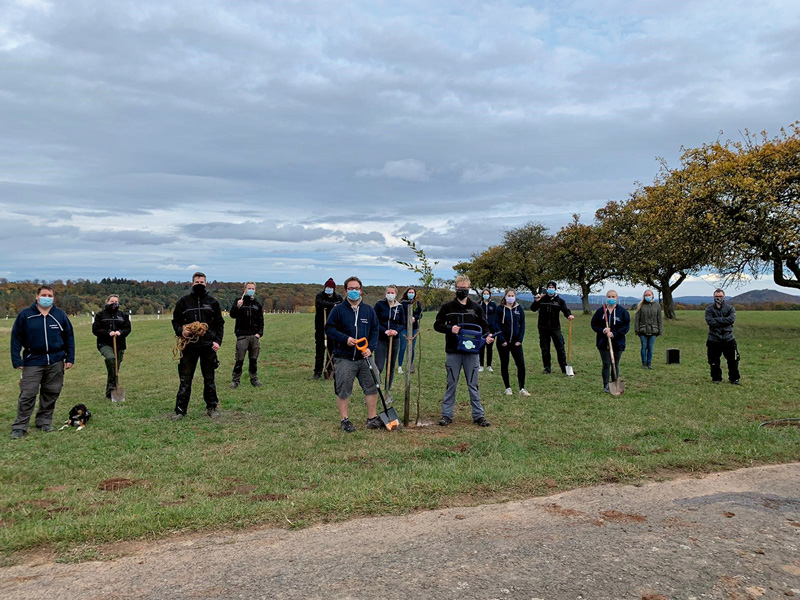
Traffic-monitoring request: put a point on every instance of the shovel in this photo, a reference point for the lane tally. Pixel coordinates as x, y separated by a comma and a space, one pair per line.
117, 394
389, 416
616, 386
569, 369
389, 369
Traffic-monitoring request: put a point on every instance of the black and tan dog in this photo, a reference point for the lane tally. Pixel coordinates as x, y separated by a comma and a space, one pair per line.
79, 416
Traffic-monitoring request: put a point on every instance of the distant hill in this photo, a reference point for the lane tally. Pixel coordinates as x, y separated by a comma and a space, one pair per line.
763, 296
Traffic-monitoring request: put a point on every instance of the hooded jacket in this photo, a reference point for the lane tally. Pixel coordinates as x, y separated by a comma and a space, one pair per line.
618, 320
390, 317
489, 311
648, 319
323, 303
549, 308
249, 317
203, 308
107, 321
509, 324
348, 321
42, 339
454, 313
720, 322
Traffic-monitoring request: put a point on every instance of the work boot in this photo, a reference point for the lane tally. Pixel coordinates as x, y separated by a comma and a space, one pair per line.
234, 384
445, 421
213, 412
255, 382
45, 428
546, 371
177, 417
481, 422
606, 389
17, 434
347, 426
315, 376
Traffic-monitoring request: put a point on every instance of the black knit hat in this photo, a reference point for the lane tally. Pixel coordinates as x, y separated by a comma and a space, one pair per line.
552, 284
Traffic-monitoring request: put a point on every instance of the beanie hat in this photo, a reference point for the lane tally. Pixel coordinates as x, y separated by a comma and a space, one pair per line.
330, 283
552, 284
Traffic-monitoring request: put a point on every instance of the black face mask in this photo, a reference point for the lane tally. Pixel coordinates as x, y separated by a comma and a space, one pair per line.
461, 294
112, 306
199, 289
719, 301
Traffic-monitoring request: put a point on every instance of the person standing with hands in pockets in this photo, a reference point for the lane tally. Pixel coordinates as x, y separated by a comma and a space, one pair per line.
648, 326
510, 325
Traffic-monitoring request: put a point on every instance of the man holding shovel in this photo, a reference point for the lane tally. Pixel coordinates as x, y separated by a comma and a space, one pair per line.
111, 327
249, 328
347, 323
323, 305
611, 322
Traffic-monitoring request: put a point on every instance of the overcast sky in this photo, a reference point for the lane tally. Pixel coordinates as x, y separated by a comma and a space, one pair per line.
298, 140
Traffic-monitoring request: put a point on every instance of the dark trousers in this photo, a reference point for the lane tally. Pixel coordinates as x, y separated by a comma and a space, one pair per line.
728, 349
246, 344
111, 378
321, 360
382, 358
519, 359
186, 369
606, 357
545, 336
47, 383
486, 350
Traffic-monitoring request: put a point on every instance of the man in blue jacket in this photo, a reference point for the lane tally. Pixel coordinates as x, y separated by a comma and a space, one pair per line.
348, 322
43, 333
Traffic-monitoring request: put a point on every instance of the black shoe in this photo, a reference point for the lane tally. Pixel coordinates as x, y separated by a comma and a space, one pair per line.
347, 426
606, 389
482, 422
445, 421
213, 413
546, 371
374, 423
177, 417
17, 434
649, 367
234, 385
737, 382
315, 376
45, 428
716, 381
256, 383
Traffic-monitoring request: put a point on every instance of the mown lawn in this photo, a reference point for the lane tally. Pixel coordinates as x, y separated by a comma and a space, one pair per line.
278, 457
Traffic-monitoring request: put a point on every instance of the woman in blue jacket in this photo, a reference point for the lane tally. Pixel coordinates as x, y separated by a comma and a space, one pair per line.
489, 309
610, 322
391, 324
510, 327
409, 297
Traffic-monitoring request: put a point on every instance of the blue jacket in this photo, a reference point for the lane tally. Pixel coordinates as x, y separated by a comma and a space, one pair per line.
43, 340
489, 311
509, 323
416, 312
344, 322
390, 318
620, 322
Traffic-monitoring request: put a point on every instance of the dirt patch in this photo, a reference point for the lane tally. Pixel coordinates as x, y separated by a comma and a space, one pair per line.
780, 423
730, 515
793, 523
6, 522
41, 503
550, 483
620, 517
56, 488
654, 597
234, 491
555, 509
116, 484
659, 451
268, 497
627, 449
462, 447
59, 509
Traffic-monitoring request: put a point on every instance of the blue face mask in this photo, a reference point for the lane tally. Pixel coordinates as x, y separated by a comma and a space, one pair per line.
648, 298
551, 292
486, 296
353, 294
45, 301
411, 295
251, 293
611, 301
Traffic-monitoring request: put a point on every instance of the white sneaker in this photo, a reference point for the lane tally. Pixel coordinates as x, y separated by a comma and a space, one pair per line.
490, 369
480, 369
400, 370
524, 392
509, 392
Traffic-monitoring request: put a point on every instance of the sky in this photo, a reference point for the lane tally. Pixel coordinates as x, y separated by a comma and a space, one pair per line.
292, 141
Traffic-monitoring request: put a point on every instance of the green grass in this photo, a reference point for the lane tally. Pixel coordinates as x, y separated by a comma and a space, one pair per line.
277, 456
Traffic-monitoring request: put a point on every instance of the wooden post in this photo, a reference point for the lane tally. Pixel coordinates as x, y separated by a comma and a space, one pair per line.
409, 347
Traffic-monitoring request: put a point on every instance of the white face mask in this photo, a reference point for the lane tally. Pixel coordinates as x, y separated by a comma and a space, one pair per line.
329, 291
511, 299
391, 297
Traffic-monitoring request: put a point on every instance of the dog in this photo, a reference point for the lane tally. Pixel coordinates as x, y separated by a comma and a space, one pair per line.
79, 416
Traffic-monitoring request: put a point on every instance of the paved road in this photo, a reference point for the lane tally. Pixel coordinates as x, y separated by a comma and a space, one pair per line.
732, 535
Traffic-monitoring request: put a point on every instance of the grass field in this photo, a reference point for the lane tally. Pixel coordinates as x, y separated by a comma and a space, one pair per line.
277, 455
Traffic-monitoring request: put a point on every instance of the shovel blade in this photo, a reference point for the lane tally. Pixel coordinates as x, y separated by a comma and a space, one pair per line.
570, 371
389, 418
118, 395
617, 387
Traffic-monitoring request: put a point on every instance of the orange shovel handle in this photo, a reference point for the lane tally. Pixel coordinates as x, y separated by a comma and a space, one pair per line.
362, 344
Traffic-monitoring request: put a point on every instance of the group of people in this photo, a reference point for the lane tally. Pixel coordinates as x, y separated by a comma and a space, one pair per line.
349, 333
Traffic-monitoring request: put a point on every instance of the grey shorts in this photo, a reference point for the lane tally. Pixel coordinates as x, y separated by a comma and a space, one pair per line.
346, 372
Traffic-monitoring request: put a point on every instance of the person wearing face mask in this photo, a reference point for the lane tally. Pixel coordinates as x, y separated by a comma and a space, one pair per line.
391, 324
720, 317
409, 297
348, 322
610, 322
111, 322
248, 329
510, 328
451, 316
42, 347
550, 306
489, 309
648, 326
198, 307
323, 305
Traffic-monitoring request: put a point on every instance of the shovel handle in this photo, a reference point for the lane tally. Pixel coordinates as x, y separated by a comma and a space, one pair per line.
362, 344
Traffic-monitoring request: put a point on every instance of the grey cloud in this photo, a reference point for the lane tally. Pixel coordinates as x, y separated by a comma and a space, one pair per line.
127, 237
256, 230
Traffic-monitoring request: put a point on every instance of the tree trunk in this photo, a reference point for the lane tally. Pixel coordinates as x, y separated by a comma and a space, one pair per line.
585, 291
666, 300
778, 276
